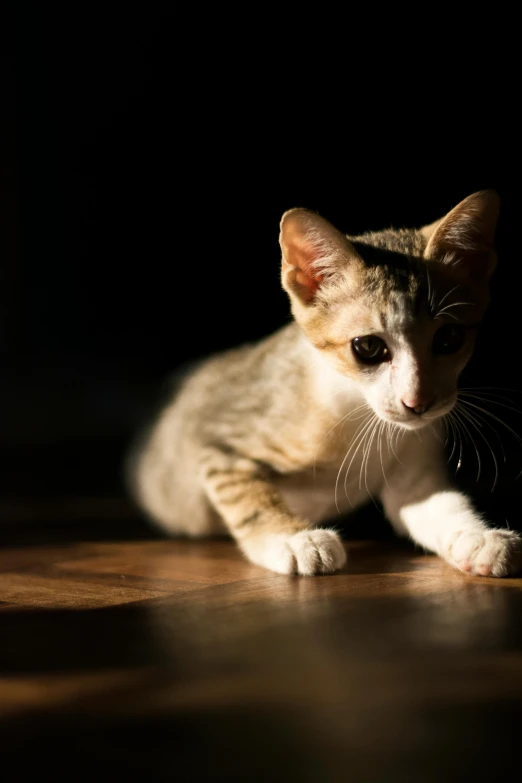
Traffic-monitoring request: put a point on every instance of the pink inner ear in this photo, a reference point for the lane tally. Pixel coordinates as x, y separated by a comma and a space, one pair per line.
304, 279
304, 274
303, 285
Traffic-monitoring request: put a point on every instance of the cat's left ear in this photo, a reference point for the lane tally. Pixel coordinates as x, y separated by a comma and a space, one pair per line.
314, 252
464, 238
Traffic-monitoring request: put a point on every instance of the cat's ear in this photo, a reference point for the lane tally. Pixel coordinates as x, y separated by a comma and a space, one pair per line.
313, 251
464, 238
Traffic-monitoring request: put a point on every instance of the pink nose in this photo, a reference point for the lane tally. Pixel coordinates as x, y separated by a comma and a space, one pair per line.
417, 406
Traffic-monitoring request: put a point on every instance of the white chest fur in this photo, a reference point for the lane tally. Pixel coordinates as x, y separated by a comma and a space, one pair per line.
358, 474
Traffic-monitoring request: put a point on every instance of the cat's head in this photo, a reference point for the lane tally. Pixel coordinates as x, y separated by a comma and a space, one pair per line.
397, 311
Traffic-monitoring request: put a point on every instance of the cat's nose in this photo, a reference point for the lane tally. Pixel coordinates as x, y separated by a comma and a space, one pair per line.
418, 406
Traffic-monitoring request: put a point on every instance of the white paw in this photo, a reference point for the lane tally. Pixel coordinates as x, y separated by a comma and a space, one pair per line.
308, 552
486, 552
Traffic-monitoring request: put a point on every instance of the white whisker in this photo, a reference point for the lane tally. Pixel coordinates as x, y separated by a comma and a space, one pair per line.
362, 441
472, 395
395, 433
431, 292
347, 417
383, 429
500, 421
460, 415
458, 431
456, 304
450, 315
360, 430
446, 295
453, 434
366, 458
476, 423
496, 418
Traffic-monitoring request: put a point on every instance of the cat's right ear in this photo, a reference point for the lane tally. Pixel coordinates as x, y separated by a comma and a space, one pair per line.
464, 238
313, 251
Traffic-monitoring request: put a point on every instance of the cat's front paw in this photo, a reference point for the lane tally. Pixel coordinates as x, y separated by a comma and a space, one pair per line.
307, 552
486, 552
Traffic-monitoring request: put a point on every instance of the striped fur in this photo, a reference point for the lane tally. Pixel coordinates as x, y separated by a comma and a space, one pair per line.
266, 441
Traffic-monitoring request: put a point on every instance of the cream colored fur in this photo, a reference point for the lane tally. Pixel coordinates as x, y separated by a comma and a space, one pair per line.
269, 440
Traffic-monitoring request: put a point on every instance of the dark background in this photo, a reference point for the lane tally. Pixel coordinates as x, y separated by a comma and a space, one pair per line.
146, 161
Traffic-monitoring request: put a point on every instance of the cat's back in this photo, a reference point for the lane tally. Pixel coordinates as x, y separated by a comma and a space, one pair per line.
219, 398
203, 397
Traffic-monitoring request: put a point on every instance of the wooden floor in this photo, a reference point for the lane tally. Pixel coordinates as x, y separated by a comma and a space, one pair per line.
156, 659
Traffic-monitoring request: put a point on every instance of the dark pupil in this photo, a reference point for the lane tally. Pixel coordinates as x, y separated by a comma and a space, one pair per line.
449, 338
370, 349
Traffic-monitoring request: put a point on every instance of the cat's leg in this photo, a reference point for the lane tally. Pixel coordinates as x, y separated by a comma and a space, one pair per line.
256, 515
420, 502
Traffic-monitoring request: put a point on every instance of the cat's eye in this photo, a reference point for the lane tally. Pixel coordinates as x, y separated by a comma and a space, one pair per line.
370, 349
449, 338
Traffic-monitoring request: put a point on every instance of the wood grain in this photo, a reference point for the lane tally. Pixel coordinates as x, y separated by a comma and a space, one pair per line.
161, 659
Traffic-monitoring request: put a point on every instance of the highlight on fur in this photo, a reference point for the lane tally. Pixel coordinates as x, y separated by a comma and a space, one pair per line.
347, 404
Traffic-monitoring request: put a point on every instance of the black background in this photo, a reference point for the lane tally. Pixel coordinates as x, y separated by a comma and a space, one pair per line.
147, 158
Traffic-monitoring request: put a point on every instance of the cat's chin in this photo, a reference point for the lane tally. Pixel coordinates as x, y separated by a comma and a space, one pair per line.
417, 423
411, 422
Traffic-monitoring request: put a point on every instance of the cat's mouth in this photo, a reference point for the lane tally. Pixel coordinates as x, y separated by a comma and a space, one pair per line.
416, 421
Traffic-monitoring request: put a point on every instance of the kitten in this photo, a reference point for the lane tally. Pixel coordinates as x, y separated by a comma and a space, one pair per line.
346, 402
